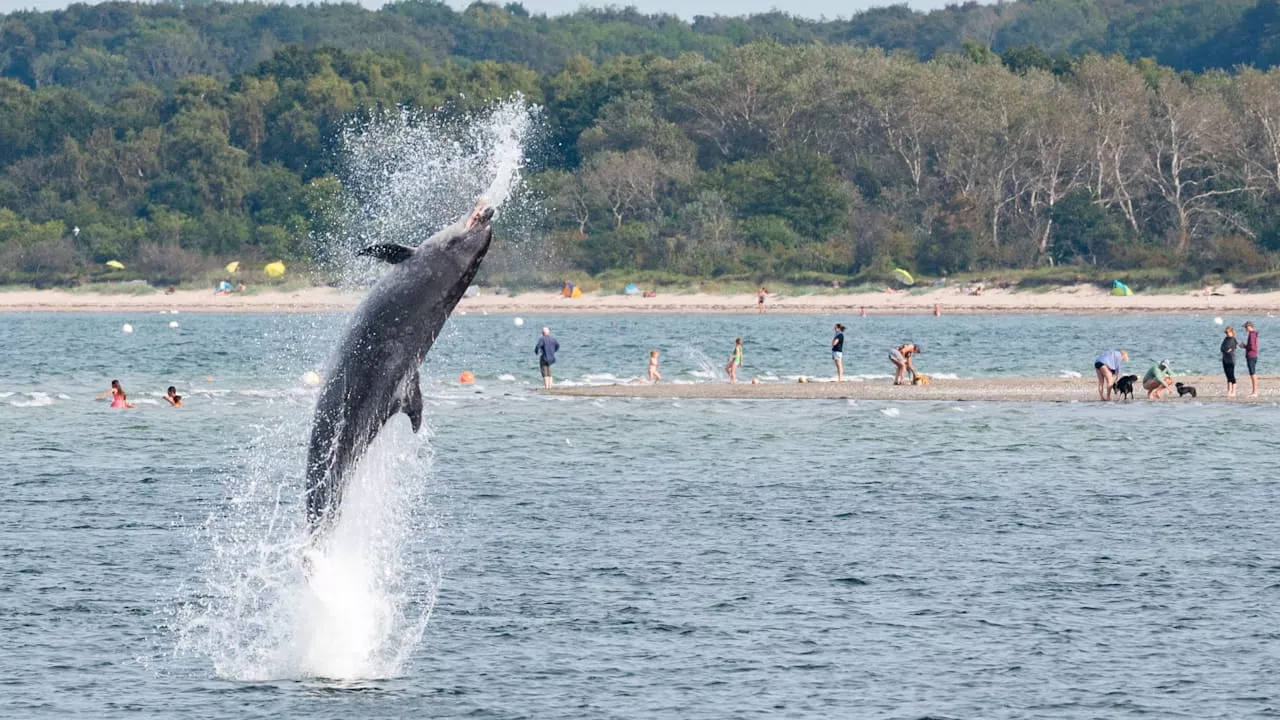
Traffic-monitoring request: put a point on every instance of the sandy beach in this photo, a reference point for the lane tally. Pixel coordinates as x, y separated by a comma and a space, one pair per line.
1083, 299
1029, 389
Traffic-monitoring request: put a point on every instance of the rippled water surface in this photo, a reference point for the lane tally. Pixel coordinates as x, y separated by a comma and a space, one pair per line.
629, 558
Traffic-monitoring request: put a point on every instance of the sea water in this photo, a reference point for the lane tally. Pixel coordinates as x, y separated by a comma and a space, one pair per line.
568, 558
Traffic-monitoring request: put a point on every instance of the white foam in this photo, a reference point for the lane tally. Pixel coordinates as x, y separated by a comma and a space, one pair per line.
1069, 374
891, 412
34, 399
507, 377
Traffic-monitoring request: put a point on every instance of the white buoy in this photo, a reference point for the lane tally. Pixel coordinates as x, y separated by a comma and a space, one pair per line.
519, 322
311, 377
173, 324
127, 328
1217, 321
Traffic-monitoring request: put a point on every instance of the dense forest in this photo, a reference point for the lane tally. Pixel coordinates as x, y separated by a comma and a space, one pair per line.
1115, 134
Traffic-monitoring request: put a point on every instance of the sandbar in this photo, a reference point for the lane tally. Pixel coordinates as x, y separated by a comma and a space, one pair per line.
1026, 389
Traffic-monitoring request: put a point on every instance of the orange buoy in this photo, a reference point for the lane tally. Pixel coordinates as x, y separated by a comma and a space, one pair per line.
467, 377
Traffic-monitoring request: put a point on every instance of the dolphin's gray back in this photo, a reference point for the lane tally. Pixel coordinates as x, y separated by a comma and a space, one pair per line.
373, 374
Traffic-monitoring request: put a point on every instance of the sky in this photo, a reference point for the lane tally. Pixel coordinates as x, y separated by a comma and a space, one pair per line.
686, 9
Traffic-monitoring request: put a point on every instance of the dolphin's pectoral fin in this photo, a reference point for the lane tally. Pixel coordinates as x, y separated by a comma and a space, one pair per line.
411, 403
390, 252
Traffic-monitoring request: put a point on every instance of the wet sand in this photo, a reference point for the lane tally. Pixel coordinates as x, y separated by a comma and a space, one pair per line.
1057, 390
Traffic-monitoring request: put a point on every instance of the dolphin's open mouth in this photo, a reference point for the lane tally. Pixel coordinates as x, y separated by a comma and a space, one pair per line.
480, 216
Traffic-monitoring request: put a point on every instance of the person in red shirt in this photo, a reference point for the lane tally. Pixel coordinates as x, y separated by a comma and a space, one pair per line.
1251, 357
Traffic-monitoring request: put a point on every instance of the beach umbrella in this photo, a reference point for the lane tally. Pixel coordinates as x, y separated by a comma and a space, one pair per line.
233, 266
904, 276
115, 264
275, 269
1119, 289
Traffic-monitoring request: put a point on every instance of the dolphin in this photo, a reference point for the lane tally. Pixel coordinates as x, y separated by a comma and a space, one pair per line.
373, 373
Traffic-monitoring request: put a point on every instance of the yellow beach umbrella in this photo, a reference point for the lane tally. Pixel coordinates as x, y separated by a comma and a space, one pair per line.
116, 264
904, 276
233, 266
275, 269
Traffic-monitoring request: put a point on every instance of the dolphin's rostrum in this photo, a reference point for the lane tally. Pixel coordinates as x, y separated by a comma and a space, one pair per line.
373, 374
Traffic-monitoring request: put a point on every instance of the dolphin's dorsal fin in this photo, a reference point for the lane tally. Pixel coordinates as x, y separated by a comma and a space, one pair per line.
390, 252
411, 403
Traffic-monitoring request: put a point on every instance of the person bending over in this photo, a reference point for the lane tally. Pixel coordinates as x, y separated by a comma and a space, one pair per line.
1158, 380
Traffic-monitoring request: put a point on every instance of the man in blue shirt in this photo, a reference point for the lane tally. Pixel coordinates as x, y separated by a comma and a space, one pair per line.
1107, 366
546, 352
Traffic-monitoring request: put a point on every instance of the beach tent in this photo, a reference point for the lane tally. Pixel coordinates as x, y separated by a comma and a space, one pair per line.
275, 269
115, 264
631, 289
577, 292
233, 266
903, 276
1120, 289
568, 289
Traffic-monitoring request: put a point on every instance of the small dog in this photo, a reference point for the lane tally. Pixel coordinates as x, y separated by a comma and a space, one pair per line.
920, 379
1124, 386
1185, 389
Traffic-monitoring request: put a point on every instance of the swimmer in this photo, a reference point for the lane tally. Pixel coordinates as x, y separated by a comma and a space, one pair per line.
172, 397
112, 391
654, 375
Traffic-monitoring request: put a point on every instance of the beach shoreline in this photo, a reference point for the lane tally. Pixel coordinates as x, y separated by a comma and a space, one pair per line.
1072, 300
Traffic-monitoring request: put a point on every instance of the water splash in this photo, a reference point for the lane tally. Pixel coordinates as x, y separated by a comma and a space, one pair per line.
356, 605
408, 174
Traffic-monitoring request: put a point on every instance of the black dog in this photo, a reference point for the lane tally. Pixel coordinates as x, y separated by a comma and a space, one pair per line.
1124, 386
1185, 389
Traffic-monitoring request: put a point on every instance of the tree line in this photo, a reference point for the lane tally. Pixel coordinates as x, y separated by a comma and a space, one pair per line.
790, 157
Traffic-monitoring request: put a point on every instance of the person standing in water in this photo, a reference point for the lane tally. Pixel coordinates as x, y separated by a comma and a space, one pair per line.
1251, 357
172, 397
1107, 365
112, 391
546, 351
1228, 350
654, 375
837, 352
119, 400
735, 361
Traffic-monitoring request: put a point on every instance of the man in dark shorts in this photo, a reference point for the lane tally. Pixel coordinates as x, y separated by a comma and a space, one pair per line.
546, 352
1251, 358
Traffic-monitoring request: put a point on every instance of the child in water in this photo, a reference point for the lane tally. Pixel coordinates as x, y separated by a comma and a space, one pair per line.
172, 397
119, 400
654, 375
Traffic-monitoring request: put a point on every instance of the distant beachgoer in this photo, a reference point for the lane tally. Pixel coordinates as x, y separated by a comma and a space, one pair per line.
170, 290
760, 295
240, 288
1158, 380
837, 352
937, 310
172, 397
902, 361
1251, 358
654, 375
735, 361
1228, 350
546, 351
1107, 365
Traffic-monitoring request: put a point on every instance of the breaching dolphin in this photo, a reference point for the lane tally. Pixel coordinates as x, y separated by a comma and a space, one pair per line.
373, 374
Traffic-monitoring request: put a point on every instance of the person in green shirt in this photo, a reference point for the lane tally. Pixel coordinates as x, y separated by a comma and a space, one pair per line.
1158, 380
